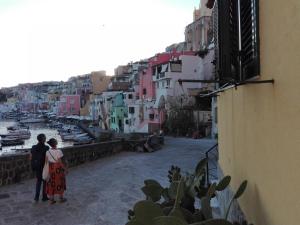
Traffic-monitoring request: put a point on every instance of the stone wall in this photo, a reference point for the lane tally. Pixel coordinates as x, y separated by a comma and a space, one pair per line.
15, 168
77, 155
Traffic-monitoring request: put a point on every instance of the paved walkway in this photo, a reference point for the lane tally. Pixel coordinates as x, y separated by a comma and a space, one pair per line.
101, 192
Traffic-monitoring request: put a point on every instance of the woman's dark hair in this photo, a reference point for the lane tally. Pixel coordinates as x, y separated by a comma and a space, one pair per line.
52, 142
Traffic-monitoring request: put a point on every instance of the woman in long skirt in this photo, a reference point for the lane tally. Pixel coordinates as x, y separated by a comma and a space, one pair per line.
56, 185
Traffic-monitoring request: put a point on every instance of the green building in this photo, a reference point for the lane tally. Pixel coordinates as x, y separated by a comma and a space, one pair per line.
118, 112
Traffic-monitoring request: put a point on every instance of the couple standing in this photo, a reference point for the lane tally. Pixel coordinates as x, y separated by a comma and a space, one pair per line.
42, 156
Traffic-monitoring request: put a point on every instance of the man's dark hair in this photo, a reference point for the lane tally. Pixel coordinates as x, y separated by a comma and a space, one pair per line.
41, 137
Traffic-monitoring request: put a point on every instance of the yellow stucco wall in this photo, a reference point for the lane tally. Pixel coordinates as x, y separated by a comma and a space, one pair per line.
99, 81
259, 125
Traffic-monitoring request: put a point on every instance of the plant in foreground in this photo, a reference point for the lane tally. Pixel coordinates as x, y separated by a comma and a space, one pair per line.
175, 204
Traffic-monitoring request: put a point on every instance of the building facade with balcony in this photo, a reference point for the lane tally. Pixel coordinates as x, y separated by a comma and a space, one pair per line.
149, 121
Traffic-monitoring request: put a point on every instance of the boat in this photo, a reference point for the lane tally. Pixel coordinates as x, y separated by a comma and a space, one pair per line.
17, 134
72, 136
11, 142
13, 128
83, 142
69, 133
33, 120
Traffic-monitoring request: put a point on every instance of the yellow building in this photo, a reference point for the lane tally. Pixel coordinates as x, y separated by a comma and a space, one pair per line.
259, 124
99, 81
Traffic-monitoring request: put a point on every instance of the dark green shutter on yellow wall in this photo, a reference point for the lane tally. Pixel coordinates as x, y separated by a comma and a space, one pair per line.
234, 62
250, 38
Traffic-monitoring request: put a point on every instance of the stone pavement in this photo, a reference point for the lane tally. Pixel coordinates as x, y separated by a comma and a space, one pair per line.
100, 192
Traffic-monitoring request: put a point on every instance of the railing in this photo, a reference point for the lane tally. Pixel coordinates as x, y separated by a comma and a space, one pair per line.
212, 156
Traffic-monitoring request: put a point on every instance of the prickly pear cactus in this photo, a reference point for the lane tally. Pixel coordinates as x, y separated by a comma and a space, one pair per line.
175, 205
153, 190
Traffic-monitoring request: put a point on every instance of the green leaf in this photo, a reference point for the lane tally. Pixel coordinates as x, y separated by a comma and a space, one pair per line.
146, 211
223, 183
180, 193
167, 210
134, 222
168, 220
206, 208
238, 194
211, 190
176, 176
241, 190
151, 182
153, 191
172, 191
176, 212
200, 167
213, 222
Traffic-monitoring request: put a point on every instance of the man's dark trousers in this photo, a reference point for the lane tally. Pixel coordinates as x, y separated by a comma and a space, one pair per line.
39, 182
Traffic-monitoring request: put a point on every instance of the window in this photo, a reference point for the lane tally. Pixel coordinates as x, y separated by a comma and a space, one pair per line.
153, 71
168, 83
157, 84
176, 66
151, 116
129, 96
144, 91
159, 68
236, 39
131, 110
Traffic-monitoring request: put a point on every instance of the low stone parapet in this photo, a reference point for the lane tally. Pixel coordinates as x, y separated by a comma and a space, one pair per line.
15, 168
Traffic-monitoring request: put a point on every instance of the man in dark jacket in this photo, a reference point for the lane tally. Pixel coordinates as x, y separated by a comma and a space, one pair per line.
38, 153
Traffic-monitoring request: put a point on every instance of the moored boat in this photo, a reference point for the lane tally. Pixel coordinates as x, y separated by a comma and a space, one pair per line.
11, 142
33, 120
17, 134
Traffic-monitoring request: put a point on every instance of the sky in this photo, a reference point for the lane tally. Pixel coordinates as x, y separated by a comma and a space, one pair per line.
52, 40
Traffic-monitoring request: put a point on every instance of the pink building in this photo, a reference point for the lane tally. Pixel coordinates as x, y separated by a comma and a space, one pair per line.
149, 118
147, 84
69, 105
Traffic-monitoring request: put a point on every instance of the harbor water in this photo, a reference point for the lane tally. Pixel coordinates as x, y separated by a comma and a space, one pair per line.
35, 129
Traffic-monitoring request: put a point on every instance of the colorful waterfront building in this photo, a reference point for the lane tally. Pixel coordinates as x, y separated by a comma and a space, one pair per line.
102, 107
118, 113
69, 105
149, 119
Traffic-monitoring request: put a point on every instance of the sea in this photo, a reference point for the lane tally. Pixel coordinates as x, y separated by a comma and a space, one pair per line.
35, 129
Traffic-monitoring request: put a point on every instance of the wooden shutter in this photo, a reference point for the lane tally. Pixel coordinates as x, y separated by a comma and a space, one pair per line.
215, 24
226, 38
249, 38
